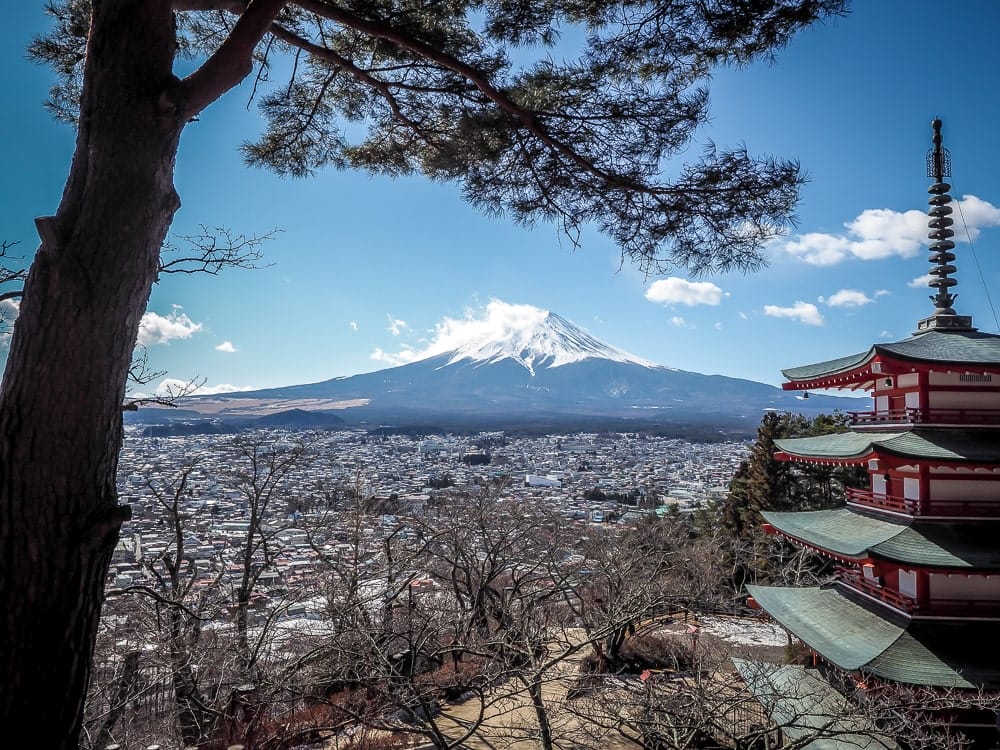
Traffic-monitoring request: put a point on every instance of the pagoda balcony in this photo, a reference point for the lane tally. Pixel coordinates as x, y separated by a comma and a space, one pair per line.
914, 415
893, 503
853, 579
911, 507
908, 605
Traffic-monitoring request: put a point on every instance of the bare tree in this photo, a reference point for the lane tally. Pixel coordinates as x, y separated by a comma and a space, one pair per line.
202, 625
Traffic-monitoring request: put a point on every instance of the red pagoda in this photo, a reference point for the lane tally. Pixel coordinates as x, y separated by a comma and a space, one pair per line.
917, 598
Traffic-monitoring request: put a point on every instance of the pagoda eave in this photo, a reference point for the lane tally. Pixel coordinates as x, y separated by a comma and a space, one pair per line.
822, 460
939, 447
850, 536
881, 364
854, 635
881, 460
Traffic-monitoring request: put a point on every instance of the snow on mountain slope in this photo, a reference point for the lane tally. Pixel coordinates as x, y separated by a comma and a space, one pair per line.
528, 335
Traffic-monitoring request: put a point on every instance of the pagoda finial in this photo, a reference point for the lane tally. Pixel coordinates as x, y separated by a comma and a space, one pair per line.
941, 255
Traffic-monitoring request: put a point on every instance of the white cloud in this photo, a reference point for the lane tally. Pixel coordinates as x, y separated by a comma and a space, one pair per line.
159, 329
717, 326
676, 291
920, 281
881, 293
226, 346
679, 322
396, 327
743, 315
847, 298
354, 325
976, 214
878, 233
499, 321
9, 309
804, 312
818, 249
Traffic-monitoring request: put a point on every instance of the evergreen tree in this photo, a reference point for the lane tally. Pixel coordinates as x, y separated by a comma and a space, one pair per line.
763, 483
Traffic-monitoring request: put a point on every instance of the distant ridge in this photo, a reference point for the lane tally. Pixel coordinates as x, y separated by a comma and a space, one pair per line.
543, 370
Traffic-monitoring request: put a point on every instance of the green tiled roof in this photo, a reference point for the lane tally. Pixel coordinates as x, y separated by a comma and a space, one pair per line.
968, 347
853, 637
805, 706
937, 545
941, 444
839, 530
843, 632
841, 364
851, 534
964, 347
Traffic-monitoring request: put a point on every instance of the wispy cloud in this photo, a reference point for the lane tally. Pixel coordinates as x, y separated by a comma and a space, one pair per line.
878, 233
396, 326
401, 357
804, 312
499, 321
354, 325
160, 329
226, 346
679, 322
920, 281
677, 291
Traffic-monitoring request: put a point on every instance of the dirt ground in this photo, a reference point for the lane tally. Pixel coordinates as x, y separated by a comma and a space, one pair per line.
509, 722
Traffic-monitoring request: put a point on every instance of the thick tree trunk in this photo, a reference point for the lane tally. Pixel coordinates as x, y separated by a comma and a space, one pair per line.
60, 401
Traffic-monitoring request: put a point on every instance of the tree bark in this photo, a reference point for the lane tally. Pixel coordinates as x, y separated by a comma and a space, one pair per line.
545, 741
62, 392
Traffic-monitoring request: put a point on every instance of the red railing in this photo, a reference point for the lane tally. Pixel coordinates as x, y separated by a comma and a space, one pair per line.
885, 502
914, 415
909, 605
890, 596
911, 507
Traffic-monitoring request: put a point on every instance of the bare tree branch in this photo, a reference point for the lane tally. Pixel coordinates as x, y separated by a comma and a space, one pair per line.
212, 250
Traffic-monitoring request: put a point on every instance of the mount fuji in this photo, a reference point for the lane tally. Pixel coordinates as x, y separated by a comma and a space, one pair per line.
538, 368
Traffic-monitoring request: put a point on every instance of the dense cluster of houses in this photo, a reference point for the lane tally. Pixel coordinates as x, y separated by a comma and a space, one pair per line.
590, 478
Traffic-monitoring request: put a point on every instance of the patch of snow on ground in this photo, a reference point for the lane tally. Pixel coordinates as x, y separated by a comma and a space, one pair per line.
744, 630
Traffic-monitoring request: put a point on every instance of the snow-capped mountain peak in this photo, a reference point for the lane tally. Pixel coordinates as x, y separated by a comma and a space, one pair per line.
534, 338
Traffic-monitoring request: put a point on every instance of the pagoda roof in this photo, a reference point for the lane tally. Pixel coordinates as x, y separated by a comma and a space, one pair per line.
807, 708
943, 347
854, 634
950, 445
848, 533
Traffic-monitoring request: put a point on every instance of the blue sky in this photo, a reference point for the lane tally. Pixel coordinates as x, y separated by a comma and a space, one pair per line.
365, 272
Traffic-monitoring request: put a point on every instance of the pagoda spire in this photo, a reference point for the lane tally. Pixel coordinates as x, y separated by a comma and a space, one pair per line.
941, 255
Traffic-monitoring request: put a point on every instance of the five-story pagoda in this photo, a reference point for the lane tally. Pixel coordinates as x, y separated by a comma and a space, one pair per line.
917, 599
